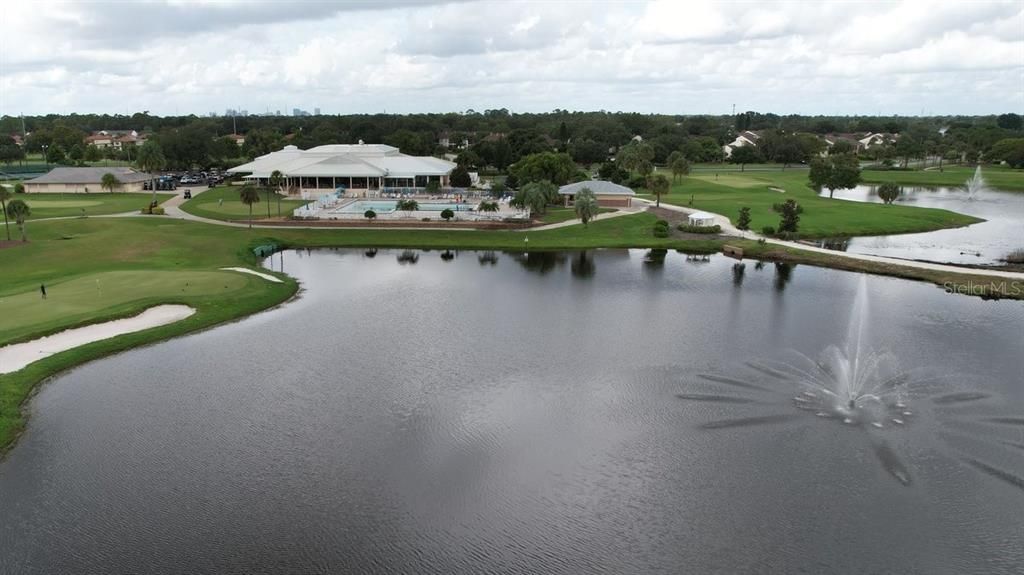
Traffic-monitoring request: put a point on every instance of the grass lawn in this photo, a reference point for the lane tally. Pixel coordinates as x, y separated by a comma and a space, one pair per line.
822, 217
62, 205
82, 298
208, 205
1000, 177
555, 215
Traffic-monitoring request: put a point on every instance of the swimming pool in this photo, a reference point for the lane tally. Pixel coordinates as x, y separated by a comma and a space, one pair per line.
388, 206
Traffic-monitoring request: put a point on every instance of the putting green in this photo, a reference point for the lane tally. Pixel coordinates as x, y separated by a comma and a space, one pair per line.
62, 203
732, 180
106, 294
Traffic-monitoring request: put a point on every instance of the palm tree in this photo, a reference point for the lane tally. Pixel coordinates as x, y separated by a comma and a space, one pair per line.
679, 165
5, 195
109, 182
586, 205
18, 210
277, 181
658, 184
249, 196
151, 159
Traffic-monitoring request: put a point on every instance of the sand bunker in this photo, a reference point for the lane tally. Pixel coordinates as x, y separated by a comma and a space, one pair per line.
16, 356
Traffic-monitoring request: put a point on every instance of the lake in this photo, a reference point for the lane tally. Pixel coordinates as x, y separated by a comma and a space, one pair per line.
611, 411
988, 242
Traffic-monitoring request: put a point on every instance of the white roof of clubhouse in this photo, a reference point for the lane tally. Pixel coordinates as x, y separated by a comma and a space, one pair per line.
599, 187
344, 161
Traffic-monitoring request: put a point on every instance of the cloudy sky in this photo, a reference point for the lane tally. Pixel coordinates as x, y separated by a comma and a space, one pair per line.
418, 56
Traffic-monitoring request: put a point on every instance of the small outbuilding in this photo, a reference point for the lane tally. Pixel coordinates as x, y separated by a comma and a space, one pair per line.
608, 194
700, 219
85, 180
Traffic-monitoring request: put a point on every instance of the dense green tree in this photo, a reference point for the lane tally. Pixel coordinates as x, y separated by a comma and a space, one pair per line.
460, 177
842, 147
1009, 150
92, 153
18, 211
744, 155
789, 216
249, 196
55, 154
260, 142
5, 194
679, 165
1010, 121
658, 185
447, 214
588, 151
636, 157
10, 151
888, 192
109, 182
613, 173
151, 159
536, 196
586, 205
557, 168
743, 221
837, 171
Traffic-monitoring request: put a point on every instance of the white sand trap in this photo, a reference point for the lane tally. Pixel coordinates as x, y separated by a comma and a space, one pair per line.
267, 277
16, 356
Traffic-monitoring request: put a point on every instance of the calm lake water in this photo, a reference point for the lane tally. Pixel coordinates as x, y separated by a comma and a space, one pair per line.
474, 412
987, 242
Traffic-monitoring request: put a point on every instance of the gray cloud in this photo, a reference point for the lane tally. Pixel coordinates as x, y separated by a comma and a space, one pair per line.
364, 56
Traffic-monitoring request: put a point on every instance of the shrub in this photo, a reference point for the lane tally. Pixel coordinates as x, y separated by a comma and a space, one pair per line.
447, 214
369, 214
661, 231
888, 192
768, 231
699, 229
152, 210
424, 219
637, 182
661, 223
19, 188
1015, 257
789, 236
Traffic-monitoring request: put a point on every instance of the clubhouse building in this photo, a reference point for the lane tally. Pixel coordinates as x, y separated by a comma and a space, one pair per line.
363, 170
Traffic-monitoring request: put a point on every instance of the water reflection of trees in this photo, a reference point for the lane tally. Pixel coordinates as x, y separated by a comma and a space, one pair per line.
487, 258
783, 275
408, 257
447, 255
370, 253
655, 259
540, 262
583, 265
738, 269
837, 244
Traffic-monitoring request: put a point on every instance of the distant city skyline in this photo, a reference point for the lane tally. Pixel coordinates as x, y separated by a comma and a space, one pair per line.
881, 58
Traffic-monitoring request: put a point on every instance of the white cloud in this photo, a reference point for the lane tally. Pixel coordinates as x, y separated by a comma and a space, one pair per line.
664, 56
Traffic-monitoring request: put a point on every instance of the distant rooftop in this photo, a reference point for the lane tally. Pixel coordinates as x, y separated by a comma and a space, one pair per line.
88, 176
599, 187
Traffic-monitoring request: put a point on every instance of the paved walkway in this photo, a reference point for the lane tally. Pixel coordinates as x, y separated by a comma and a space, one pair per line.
730, 230
577, 221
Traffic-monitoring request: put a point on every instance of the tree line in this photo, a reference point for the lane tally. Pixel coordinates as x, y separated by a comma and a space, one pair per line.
499, 138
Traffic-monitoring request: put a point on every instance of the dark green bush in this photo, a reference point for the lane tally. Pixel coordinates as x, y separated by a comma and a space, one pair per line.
699, 229
660, 232
768, 231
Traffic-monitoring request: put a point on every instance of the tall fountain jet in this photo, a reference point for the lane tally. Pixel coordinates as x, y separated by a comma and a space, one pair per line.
975, 184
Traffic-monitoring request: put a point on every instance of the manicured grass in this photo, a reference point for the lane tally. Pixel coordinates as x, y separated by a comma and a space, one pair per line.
555, 215
63, 205
822, 217
999, 177
81, 299
224, 203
